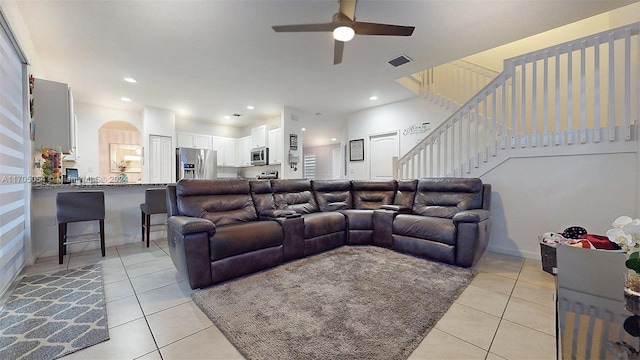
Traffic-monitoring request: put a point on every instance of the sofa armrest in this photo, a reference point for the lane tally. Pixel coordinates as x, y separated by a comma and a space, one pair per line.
185, 225
271, 214
471, 216
190, 248
293, 241
473, 229
397, 208
383, 227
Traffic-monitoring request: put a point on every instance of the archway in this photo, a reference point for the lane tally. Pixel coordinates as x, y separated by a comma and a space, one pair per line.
117, 137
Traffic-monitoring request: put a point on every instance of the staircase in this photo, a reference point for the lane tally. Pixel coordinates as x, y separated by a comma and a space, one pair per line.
577, 97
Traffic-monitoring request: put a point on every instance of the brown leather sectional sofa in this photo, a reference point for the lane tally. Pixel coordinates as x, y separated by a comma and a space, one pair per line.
222, 229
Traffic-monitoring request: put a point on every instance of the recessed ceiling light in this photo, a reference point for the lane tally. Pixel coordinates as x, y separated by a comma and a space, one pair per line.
304, 129
227, 117
130, 80
373, 97
124, 98
250, 107
334, 139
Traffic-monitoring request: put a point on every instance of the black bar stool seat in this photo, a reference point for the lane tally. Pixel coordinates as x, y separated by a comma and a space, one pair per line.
77, 207
155, 202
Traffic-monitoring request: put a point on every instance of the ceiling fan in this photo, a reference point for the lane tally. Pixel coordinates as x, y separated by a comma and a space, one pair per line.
344, 26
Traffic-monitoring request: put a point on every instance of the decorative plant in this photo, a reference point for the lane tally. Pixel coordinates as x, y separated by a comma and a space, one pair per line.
626, 233
123, 165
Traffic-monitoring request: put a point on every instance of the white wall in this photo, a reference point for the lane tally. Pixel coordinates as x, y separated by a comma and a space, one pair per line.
493, 59
90, 119
19, 28
291, 119
184, 124
535, 195
324, 160
399, 116
162, 123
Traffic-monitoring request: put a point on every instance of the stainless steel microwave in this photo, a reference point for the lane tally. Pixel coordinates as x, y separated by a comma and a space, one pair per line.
260, 156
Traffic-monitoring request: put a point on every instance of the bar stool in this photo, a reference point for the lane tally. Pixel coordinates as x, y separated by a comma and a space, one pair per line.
155, 202
77, 207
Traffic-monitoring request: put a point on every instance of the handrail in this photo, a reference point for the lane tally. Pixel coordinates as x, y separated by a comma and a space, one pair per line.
517, 112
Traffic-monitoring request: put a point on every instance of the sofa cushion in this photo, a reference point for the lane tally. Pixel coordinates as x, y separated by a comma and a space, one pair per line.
262, 195
238, 239
332, 195
294, 195
425, 227
371, 194
406, 193
322, 223
223, 202
359, 219
444, 197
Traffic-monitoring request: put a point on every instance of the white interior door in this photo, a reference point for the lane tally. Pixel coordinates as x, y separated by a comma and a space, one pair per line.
160, 155
336, 163
383, 148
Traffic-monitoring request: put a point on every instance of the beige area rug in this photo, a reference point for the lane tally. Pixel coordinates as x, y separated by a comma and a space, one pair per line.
51, 315
355, 302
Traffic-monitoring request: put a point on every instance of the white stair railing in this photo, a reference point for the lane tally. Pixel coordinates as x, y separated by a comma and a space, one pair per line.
453, 84
574, 93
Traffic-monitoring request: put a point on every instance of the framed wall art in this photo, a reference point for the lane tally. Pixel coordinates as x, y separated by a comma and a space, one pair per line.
356, 150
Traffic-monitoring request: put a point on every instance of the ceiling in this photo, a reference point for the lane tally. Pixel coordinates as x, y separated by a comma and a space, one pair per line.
208, 59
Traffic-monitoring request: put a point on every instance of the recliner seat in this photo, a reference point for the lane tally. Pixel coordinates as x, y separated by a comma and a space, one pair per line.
357, 200
235, 242
446, 221
322, 230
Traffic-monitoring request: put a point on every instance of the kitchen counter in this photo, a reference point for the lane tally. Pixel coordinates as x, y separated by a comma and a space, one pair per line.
122, 216
49, 186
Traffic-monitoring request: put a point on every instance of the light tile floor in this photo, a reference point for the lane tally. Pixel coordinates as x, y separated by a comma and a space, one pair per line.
506, 313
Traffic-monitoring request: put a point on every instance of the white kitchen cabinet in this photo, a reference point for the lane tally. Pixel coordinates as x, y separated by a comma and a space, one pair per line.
226, 150
218, 146
202, 141
244, 151
275, 146
185, 140
229, 152
195, 141
73, 155
53, 116
259, 136
160, 154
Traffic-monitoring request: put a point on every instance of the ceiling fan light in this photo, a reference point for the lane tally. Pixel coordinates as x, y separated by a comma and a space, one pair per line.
343, 33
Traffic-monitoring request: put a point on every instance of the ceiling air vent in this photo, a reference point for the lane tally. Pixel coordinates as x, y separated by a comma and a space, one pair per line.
400, 60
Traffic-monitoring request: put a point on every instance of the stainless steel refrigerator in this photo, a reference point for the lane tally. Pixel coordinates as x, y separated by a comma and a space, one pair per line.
196, 164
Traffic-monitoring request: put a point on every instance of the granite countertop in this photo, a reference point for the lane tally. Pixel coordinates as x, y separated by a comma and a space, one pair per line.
49, 186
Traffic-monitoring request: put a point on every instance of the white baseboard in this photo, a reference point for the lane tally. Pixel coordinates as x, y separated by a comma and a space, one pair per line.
514, 252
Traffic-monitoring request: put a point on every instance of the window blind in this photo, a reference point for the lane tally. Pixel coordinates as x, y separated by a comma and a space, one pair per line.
14, 158
310, 166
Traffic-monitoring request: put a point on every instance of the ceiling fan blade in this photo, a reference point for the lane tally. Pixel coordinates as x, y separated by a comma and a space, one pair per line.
348, 8
338, 49
304, 27
365, 28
